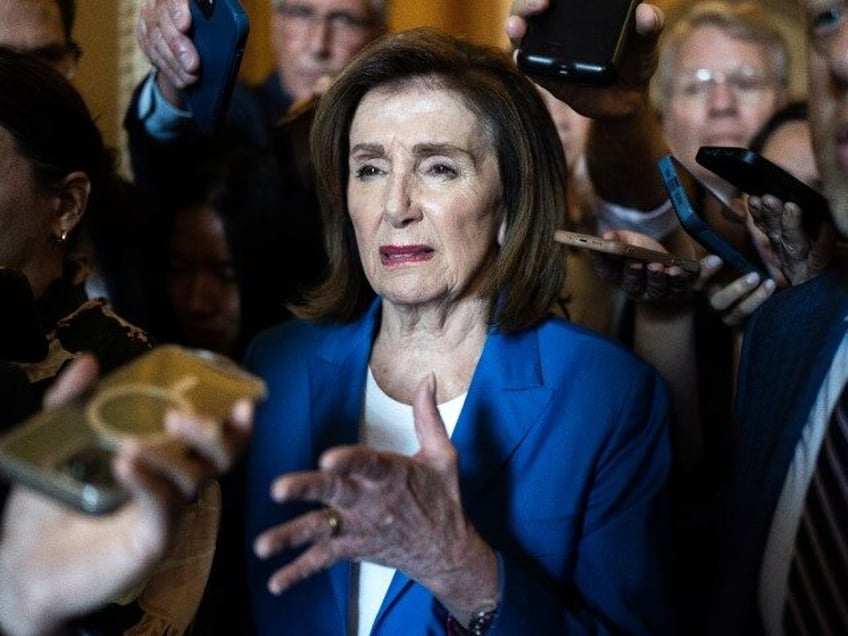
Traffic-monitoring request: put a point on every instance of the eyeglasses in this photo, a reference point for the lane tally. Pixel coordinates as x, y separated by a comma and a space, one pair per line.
747, 84
303, 15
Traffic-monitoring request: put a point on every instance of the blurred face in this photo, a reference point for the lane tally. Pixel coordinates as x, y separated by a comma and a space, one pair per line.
35, 26
722, 91
572, 127
26, 217
424, 195
202, 284
828, 90
314, 39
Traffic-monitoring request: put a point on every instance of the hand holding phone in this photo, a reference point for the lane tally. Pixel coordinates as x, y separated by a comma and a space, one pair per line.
753, 174
625, 250
577, 42
66, 452
694, 223
219, 30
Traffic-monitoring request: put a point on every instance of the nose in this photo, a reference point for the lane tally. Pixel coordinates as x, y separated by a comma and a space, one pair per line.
837, 56
721, 98
320, 33
398, 207
198, 298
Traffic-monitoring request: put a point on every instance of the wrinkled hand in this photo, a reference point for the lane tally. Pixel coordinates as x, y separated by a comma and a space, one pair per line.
56, 563
401, 512
653, 282
801, 258
162, 34
637, 66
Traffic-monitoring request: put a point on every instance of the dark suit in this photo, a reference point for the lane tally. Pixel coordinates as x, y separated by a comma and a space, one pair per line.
563, 455
788, 348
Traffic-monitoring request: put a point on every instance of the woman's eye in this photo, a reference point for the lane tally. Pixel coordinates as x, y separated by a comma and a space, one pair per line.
363, 172
442, 170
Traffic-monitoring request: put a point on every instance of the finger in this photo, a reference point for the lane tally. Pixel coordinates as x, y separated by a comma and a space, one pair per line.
74, 380
633, 279
162, 32
171, 461
429, 426
770, 218
679, 283
656, 285
734, 292
331, 486
650, 21
794, 242
740, 313
157, 497
218, 442
316, 559
710, 266
310, 527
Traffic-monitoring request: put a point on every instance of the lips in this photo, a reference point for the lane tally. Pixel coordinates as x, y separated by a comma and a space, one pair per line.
401, 254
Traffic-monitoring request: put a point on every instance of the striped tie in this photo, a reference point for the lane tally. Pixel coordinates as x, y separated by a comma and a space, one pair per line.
817, 595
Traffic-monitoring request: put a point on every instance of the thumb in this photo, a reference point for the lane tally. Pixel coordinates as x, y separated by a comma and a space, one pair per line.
429, 426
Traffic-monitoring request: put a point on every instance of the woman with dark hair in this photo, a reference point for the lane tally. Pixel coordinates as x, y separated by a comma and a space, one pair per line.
447, 457
54, 171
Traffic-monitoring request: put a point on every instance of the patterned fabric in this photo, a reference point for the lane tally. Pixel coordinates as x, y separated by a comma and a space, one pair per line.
818, 578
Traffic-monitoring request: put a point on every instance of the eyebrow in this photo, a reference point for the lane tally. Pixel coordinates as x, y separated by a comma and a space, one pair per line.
418, 150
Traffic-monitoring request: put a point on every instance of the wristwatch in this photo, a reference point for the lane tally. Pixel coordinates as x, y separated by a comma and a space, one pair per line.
479, 625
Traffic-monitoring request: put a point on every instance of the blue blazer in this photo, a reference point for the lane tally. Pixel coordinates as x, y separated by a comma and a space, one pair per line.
788, 349
563, 456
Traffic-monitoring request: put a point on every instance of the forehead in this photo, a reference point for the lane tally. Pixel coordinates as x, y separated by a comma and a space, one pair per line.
425, 106
30, 23
709, 46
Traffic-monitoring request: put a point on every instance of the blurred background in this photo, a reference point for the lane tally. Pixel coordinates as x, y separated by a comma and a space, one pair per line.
111, 65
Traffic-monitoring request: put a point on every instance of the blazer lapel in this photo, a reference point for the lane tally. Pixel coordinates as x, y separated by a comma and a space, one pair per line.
506, 398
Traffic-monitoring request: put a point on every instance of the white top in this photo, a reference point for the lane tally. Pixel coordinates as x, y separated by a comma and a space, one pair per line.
388, 425
777, 557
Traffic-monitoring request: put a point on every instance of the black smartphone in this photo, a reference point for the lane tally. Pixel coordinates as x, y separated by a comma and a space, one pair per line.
66, 452
753, 174
695, 225
219, 31
577, 41
625, 250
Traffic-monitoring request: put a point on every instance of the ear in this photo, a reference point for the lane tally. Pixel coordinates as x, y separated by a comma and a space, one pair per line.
502, 231
71, 201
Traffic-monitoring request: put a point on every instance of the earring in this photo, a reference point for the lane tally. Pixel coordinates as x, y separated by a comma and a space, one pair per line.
63, 237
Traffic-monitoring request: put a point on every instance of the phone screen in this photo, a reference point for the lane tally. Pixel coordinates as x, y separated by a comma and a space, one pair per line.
577, 41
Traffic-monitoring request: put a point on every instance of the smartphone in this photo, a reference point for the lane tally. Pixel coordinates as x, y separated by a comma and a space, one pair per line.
692, 221
625, 250
219, 31
577, 41
66, 452
753, 174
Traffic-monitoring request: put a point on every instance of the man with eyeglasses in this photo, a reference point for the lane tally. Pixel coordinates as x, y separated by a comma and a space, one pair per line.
312, 41
723, 70
42, 28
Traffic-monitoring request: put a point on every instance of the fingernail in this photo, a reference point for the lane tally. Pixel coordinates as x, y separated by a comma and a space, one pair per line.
752, 279
713, 261
770, 285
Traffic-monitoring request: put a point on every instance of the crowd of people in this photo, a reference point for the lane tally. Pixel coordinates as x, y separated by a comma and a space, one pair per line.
467, 430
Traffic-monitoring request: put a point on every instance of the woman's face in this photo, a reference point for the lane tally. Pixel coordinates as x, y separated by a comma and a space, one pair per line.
202, 284
424, 194
26, 215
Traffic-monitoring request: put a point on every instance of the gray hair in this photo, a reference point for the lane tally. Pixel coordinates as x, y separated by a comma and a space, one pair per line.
745, 21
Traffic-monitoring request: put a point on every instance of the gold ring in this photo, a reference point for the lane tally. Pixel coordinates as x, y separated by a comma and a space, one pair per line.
334, 521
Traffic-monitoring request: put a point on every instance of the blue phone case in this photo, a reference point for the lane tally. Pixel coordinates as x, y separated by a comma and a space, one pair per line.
219, 32
694, 225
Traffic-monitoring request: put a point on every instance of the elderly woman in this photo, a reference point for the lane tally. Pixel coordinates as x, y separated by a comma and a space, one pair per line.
446, 457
